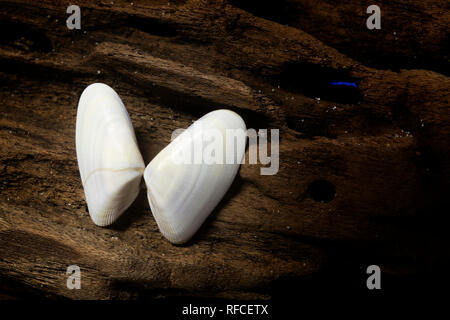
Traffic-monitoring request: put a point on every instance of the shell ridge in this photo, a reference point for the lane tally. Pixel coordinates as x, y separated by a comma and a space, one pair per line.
138, 169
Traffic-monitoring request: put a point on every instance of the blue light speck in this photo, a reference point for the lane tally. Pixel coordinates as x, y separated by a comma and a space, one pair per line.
341, 83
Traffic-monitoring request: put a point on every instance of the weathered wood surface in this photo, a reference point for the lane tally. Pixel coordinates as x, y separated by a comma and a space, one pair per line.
383, 148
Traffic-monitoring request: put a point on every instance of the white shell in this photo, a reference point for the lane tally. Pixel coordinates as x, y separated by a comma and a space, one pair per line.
109, 160
181, 195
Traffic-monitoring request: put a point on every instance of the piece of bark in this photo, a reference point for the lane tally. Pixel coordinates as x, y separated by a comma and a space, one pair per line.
362, 180
413, 34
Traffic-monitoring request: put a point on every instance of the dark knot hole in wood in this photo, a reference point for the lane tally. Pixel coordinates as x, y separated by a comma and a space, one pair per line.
321, 190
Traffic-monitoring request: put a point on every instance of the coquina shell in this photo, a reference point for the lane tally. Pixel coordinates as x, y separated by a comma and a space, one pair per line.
182, 195
109, 160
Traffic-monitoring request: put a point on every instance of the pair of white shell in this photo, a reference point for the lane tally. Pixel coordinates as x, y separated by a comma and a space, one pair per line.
181, 195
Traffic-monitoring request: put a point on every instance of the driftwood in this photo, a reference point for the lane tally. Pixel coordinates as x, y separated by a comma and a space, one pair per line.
364, 172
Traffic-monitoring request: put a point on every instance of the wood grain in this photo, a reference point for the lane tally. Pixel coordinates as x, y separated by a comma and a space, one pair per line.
380, 151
